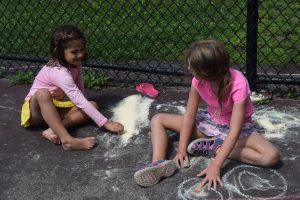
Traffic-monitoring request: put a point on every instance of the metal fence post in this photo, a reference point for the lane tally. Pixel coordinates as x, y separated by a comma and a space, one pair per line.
251, 54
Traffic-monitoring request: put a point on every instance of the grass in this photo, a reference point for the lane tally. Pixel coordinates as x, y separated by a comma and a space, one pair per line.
22, 78
93, 80
127, 30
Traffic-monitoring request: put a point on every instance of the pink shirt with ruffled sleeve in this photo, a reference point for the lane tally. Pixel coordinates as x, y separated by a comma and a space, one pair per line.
239, 92
67, 81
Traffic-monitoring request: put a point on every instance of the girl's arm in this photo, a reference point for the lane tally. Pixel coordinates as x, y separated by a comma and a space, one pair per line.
213, 171
236, 123
187, 126
62, 78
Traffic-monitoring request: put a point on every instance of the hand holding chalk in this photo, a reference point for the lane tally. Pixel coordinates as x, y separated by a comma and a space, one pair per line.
181, 160
186, 163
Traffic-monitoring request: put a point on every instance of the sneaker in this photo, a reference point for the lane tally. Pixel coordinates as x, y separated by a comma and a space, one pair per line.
152, 174
206, 147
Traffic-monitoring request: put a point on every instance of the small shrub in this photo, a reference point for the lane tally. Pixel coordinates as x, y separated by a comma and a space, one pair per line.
293, 94
95, 81
22, 78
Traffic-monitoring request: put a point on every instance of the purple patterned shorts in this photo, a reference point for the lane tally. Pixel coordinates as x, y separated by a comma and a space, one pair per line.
206, 125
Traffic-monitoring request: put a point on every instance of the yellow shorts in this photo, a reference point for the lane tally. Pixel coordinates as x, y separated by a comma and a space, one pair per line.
25, 113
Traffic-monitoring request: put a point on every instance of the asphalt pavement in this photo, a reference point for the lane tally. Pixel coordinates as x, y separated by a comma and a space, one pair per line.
33, 168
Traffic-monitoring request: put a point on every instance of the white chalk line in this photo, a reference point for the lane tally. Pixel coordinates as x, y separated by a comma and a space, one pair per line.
274, 123
10, 108
236, 186
189, 194
273, 118
257, 182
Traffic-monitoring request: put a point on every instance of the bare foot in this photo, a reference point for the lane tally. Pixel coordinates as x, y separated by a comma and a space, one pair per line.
50, 135
79, 143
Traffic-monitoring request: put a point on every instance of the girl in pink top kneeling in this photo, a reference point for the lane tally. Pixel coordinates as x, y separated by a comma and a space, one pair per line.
60, 77
224, 130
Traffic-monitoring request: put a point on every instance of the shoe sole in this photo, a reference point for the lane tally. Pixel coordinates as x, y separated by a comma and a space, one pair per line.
152, 175
189, 148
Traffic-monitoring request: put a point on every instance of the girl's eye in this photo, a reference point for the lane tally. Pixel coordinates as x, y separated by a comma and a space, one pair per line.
77, 51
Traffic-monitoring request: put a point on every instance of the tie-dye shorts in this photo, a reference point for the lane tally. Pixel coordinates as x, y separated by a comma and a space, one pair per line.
207, 126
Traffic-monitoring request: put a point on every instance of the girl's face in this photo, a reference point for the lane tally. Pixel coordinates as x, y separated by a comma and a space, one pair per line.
74, 52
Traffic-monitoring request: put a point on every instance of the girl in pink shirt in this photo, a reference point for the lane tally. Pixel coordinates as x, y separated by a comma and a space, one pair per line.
222, 131
60, 77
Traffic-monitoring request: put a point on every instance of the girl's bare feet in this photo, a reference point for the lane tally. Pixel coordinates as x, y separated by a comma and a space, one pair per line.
72, 143
79, 143
50, 135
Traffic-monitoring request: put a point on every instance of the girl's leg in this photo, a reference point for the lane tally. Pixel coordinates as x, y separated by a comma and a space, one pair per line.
75, 116
255, 150
70, 117
159, 168
160, 123
42, 108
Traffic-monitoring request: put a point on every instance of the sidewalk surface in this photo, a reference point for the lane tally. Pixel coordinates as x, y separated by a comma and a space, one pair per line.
33, 168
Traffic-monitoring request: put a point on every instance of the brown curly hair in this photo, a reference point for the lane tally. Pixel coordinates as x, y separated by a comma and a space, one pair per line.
60, 37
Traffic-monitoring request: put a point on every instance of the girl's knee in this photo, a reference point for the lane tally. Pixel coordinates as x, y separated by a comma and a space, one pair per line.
270, 158
43, 94
156, 119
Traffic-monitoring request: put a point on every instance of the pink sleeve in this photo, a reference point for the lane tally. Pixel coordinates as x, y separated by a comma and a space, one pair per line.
240, 91
195, 82
62, 78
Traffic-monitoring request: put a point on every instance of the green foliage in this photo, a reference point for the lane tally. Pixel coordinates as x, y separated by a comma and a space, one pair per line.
164, 29
95, 81
263, 101
293, 94
22, 78
145, 30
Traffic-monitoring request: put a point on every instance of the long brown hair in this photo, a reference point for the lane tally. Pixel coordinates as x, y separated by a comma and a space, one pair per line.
209, 59
60, 37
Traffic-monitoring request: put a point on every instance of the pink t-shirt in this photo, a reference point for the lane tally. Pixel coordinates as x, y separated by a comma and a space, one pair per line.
69, 82
239, 92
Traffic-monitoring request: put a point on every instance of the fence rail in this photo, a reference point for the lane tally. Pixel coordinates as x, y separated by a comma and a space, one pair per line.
133, 41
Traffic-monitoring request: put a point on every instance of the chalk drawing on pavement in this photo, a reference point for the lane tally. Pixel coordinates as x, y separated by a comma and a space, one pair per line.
242, 181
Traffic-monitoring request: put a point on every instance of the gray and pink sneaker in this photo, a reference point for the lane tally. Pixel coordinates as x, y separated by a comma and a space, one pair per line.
206, 147
152, 174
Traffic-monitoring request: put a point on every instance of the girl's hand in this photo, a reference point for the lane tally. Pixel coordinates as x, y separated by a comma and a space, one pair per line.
181, 160
115, 127
212, 177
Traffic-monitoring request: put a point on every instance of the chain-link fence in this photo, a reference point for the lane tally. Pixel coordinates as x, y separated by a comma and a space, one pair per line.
133, 41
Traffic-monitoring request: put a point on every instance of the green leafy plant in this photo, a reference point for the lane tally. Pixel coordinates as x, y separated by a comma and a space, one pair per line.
95, 81
22, 78
292, 94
